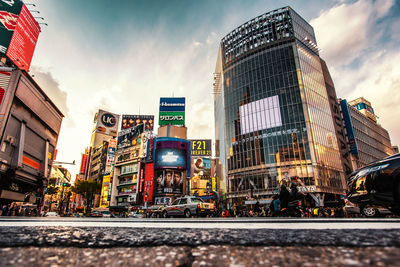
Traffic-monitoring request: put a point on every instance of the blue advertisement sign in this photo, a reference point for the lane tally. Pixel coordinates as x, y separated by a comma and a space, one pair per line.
349, 127
172, 104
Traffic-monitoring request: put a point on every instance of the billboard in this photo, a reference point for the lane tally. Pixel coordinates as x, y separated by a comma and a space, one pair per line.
9, 13
259, 115
201, 167
129, 121
200, 147
172, 104
129, 137
23, 41
106, 123
169, 181
171, 118
172, 111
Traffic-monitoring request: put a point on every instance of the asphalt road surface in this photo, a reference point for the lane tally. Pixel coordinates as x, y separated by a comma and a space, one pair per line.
199, 242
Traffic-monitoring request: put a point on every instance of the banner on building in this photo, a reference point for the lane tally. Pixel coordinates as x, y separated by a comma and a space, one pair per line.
129, 137
129, 121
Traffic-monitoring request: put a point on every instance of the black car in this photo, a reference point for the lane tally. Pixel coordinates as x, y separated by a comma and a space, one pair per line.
376, 185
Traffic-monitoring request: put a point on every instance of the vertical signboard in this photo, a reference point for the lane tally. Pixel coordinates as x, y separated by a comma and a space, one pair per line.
84, 161
349, 127
23, 41
172, 111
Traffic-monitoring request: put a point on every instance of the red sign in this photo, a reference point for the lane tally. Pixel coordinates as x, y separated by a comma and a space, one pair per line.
83, 164
24, 40
148, 183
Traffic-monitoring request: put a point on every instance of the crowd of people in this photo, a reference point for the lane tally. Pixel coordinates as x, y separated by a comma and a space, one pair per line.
14, 209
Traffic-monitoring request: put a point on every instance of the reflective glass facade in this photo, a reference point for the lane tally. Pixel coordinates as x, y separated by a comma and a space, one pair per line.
277, 121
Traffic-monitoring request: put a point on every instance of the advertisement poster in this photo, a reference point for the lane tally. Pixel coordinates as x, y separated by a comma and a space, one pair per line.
129, 121
129, 137
169, 181
201, 167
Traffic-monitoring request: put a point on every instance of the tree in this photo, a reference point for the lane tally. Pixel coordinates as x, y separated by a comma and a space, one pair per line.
87, 188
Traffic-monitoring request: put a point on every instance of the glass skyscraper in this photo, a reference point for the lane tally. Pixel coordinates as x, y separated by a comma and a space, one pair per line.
272, 116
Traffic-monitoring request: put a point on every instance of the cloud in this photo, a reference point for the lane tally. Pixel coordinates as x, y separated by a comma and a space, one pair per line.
360, 46
200, 120
345, 31
51, 87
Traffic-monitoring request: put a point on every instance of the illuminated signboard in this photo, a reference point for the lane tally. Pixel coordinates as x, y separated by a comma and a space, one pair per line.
170, 157
200, 147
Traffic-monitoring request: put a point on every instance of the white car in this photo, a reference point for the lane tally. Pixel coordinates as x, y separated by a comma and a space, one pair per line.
52, 214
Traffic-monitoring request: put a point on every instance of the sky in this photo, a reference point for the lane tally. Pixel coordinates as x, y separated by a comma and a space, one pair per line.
122, 56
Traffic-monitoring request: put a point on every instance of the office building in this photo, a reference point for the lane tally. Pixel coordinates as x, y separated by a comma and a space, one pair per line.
273, 119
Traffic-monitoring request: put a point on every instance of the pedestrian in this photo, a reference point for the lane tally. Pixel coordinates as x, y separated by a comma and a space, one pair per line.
284, 196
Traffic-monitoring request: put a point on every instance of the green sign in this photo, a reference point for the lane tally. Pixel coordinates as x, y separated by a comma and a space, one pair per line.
171, 118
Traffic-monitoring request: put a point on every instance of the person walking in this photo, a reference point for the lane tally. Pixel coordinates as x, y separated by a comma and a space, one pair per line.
284, 196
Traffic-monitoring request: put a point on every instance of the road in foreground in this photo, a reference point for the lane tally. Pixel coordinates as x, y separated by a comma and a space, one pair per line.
361, 243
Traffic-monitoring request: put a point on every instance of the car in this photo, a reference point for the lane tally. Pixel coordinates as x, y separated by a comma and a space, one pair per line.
96, 214
188, 206
52, 214
376, 185
367, 211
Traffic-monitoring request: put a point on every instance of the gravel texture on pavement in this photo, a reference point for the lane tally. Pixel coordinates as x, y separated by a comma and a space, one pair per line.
220, 255
101, 237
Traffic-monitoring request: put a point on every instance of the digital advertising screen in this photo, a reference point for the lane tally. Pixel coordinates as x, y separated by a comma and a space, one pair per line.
259, 115
170, 158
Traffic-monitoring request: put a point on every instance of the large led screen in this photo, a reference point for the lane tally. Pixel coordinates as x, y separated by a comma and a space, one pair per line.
170, 158
261, 114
